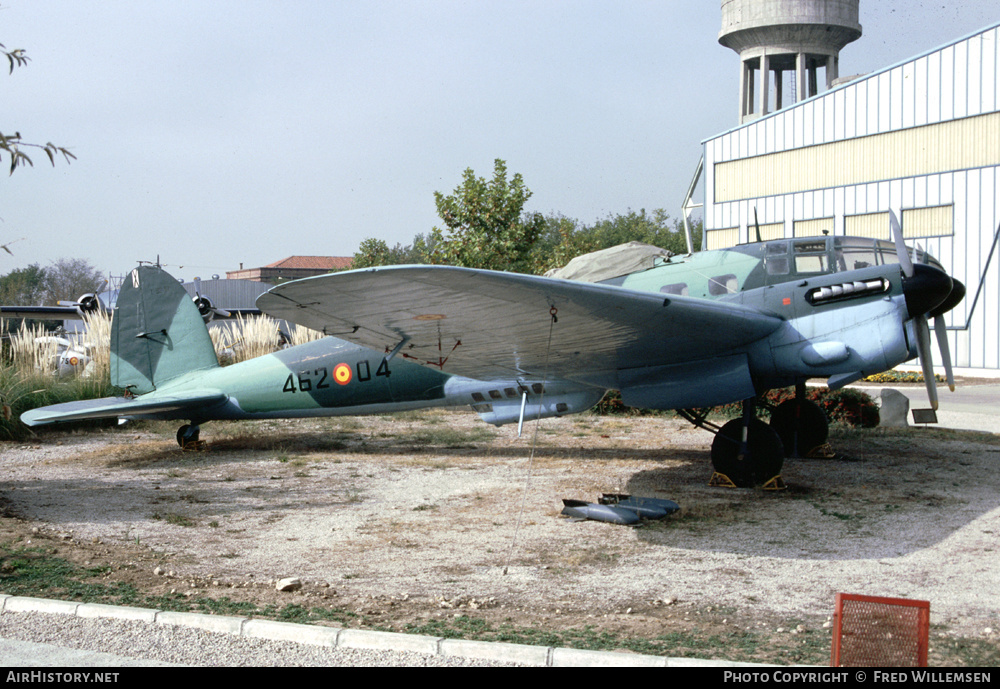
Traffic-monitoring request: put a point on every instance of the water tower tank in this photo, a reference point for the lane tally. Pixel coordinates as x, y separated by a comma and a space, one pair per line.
789, 41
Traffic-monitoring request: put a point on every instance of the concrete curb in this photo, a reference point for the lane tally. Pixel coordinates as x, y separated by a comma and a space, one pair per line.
356, 638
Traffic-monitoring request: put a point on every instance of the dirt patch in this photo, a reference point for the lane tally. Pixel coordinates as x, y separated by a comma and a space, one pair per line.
414, 519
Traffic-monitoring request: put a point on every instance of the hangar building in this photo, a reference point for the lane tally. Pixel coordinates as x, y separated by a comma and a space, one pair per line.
921, 137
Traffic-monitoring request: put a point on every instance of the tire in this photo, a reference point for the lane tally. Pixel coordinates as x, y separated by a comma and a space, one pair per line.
810, 429
763, 461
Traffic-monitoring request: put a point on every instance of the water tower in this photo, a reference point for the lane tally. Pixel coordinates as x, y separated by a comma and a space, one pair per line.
785, 43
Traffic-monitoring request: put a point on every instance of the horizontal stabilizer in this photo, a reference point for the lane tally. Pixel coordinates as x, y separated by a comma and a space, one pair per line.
109, 407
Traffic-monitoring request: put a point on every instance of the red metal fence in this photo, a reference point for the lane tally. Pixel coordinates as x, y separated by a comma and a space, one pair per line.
870, 631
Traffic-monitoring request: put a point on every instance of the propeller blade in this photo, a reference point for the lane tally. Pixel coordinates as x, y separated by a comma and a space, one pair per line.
942, 337
902, 253
926, 360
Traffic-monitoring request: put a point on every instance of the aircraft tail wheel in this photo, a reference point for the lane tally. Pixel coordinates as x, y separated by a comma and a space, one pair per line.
187, 437
764, 458
802, 426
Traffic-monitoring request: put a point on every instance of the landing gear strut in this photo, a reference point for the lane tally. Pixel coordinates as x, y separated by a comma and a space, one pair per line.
187, 437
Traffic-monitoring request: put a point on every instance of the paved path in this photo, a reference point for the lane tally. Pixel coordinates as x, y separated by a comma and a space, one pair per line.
88, 635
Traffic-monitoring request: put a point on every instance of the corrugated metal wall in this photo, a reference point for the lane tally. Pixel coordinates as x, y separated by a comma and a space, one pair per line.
921, 137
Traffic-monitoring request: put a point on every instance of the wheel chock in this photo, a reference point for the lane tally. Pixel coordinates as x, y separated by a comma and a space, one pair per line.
824, 451
720, 481
776, 483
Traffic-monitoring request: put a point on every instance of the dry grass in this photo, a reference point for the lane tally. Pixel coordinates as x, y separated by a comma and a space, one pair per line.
253, 336
27, 354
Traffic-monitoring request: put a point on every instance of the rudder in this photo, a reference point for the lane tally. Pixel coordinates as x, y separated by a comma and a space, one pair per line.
157, 333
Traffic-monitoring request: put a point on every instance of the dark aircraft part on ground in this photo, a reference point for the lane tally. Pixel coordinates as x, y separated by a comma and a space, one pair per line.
802, 426
762, 460
615, 508
647, 508
581, 509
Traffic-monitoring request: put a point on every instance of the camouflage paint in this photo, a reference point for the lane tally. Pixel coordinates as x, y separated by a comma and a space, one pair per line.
157, 333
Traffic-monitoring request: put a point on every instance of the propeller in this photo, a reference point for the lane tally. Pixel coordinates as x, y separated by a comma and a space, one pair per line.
85, 303
205, 306
920, 319
902, 252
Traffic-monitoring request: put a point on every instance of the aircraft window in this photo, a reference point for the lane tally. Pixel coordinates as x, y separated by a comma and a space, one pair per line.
776, 259
478, 397
722, 284
495, 394
811, 264
853, 254
510, 392
538, 388
523, 389
811, 247
679, 288
777, 265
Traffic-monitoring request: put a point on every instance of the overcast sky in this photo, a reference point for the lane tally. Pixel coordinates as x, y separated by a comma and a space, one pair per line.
217, 133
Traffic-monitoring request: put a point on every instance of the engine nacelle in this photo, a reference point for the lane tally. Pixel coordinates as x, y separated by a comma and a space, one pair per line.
205, 307
89, 303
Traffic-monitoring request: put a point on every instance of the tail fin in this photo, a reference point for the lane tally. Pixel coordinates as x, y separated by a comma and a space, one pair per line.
156, 332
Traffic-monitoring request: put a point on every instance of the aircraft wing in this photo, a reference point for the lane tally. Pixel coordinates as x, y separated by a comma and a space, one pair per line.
41, 313
493, 325
109, 407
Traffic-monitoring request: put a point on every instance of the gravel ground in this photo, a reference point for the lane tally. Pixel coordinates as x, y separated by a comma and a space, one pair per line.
417, 518
161, 644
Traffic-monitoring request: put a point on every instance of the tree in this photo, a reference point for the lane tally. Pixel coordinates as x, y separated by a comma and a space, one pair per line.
12, 145
486, 226
375, 252
23, 286
68, 278
565, 239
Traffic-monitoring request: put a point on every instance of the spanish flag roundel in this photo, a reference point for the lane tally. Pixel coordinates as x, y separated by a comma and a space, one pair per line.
342, 374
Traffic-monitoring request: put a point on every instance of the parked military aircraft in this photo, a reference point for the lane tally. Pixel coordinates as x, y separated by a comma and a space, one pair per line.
92, 303
687, 332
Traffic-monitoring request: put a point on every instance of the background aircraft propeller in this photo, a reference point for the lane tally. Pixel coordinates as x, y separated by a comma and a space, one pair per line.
205, 306
85, 303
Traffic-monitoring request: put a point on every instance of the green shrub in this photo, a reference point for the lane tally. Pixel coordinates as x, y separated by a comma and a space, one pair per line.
21, 391
848, 406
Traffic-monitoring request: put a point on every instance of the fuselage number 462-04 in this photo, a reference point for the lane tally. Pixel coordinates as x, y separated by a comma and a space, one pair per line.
343, 374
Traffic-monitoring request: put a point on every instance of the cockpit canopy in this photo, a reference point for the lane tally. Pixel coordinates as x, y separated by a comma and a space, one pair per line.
786, 259
717, 273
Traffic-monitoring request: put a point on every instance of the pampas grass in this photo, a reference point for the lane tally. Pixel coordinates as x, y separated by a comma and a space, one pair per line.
28, 367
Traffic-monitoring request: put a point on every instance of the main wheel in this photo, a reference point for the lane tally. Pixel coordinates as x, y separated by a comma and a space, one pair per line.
187, 434
764, 457
802, 426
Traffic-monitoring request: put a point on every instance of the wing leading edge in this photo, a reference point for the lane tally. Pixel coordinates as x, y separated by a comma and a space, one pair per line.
490, 325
